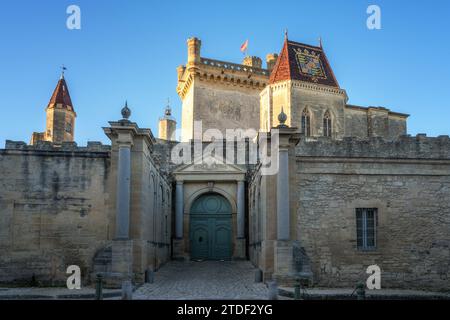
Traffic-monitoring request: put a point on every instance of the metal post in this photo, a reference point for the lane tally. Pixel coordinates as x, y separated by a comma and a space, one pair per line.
127, 290
273, 290
99, 287
360, 291
297, 287
258, 275
149, 276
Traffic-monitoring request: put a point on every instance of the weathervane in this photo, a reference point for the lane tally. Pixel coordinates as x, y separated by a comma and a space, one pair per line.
63, 68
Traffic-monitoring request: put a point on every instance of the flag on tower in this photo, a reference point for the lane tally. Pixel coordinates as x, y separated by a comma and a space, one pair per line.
244, 46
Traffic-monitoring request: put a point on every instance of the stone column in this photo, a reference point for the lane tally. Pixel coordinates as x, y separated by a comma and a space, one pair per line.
240, 210
123, 191
283, 215
179, 209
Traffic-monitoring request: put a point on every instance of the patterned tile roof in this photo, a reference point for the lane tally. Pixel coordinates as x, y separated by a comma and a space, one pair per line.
303, 62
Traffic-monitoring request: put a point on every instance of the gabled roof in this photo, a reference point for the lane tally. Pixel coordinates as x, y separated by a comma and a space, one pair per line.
61, 94
298, 61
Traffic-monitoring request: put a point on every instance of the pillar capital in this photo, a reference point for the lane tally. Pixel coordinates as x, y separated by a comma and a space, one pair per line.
288, 137
124, 139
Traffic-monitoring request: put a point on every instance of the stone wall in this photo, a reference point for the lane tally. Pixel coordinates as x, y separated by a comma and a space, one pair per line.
408, 181
53, 209
317, 103
368, 122
224, 106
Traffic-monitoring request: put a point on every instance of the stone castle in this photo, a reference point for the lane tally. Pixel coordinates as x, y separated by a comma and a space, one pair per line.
351, 188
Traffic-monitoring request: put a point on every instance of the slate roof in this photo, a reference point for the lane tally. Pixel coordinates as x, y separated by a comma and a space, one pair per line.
298, 61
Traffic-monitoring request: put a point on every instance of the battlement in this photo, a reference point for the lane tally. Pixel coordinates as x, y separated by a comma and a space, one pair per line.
234, 66
406, 147
92, 146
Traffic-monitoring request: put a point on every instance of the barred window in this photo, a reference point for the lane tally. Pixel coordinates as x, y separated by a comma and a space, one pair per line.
366, 228
306, 123
327, 124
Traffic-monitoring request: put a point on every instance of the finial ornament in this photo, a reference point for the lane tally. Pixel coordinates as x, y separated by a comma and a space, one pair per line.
126, 112
282, 117
63, 68
286, 34
320, 42
168, 111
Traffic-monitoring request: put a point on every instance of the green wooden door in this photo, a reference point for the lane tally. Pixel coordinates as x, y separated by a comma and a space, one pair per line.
210, 228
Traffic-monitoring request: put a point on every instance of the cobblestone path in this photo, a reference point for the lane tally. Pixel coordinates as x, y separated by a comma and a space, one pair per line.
204, 280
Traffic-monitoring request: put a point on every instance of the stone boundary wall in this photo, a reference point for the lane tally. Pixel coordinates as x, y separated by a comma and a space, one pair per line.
92, 146
406, 147
408, 181
53, 210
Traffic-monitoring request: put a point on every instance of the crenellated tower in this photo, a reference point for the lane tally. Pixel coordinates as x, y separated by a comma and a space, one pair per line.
222, 95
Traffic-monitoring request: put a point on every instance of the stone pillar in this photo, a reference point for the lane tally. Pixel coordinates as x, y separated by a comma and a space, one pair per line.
123, 191
240, 210
179, 210
240, 242
283, 212
283, 260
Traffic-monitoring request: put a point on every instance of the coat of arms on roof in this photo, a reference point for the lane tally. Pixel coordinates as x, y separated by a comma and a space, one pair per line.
309, 64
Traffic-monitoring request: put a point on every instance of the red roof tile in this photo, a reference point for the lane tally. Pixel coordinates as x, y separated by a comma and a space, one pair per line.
302, 62
61, 94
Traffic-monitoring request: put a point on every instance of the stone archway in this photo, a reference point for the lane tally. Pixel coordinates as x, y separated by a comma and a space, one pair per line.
211, 228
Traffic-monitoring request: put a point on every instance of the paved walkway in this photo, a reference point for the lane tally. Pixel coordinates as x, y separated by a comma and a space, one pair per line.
211, 280
87, 293
204, 280
349, 293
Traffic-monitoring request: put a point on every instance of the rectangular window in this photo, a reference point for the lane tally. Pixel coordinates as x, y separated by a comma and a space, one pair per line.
366, 228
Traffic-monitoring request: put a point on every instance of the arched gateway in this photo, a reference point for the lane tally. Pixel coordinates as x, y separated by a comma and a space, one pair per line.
210, 228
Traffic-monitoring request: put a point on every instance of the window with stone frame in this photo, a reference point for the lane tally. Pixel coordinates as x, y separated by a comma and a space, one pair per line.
366, 228
327, 124
306, 123
69, 127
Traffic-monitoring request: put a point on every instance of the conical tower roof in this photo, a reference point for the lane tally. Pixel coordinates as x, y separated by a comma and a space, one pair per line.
61, 95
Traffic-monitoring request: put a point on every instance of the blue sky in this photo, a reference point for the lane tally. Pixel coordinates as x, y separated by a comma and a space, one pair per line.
130, 50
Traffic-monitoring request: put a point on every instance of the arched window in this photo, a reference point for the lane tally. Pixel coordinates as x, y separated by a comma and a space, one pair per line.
306, 123
327, 124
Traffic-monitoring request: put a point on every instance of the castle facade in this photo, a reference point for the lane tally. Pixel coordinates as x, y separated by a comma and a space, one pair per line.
272, 165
